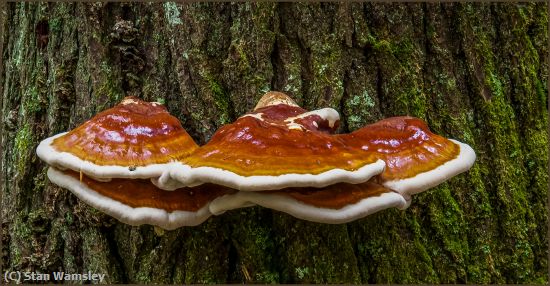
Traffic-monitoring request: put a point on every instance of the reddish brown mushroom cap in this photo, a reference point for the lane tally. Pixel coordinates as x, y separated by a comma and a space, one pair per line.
416, 159
338, 203
293, 117
134, 139
138, 201
277, 108
252, 147
277, 146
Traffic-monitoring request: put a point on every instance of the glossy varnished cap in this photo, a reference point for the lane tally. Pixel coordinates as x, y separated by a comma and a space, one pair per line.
138, 201
134, 139
338, 203
277, 146
416, 159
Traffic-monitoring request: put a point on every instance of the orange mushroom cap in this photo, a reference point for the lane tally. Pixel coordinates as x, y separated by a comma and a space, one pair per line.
276, 146
338, 203
416, 159
138, 201
134, 139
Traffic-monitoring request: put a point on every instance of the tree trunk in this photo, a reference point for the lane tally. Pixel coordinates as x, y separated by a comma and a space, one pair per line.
475, 72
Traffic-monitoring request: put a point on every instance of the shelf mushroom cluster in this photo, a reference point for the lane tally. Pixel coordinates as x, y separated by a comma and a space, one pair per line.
136, 163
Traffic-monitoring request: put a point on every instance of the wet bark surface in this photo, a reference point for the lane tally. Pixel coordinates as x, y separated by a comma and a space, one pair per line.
475, 72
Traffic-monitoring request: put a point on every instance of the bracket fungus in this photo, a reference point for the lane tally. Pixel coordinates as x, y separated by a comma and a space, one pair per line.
278, 145
416, 159
337, 203
134, 139
278, 156
138, 201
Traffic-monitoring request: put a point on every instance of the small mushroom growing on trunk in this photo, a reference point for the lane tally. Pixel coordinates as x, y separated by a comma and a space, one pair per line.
134, 139
138, 201
278, 145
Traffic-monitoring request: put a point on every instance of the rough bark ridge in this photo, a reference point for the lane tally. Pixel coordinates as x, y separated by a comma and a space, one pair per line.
475, 72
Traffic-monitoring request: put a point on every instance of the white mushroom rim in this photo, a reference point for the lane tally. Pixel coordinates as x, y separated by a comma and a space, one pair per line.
434, 177
65, 160
308, 212
125, 213
189, 176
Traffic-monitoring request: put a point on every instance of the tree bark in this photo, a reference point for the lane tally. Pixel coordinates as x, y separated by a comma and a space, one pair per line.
475, 72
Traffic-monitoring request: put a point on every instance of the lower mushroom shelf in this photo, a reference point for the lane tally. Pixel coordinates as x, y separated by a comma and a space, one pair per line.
137, 201
338, 203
